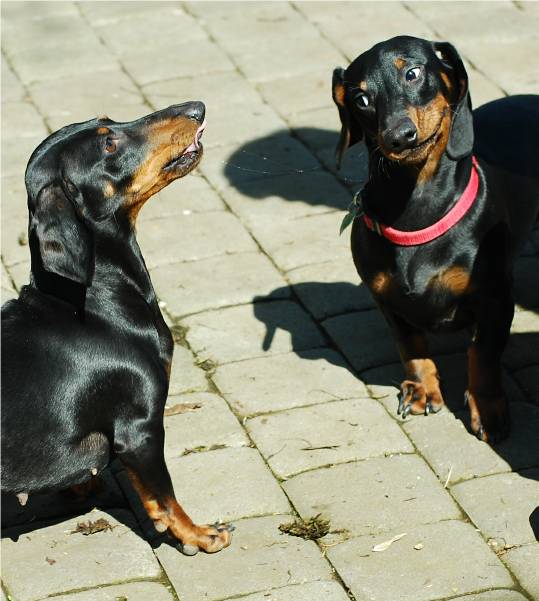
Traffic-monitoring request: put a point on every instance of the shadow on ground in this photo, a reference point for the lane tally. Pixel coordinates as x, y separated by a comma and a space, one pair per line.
346, 311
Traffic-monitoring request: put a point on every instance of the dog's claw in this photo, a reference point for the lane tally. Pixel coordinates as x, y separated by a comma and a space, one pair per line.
406, 411
428, 408
187, 549
466, 399
481, 433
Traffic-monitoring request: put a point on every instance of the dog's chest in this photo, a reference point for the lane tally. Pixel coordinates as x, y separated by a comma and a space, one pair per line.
430, 297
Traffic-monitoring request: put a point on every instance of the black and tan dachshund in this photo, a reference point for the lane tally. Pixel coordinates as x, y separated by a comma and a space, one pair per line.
451, 196
86, 354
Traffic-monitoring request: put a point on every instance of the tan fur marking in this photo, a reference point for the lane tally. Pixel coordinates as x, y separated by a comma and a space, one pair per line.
363, 85
338, 93
103, 130
109, 190
381, 282
399, 63
455, 279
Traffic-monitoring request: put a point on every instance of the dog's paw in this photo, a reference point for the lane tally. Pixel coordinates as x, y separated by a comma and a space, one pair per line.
489, 416
415, 399
207, 538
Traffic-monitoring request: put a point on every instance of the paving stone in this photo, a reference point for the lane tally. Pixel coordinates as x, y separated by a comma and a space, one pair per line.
87, 95
185, 376
132, 591
259, 559
482, 89
209, 423
329, 591
505, 55
272, 155
131, 34
208, 284
46, 32
8, 289
311, 437
439, 570
454, 454
30, 11
331, 288
219, 485
302, 241
249, 386
220, 92
499, 595
524, 563
190, 59
115, 12
20, 273
356, 26
482, 22
249, 331
354, 170
373, 496
288, 96
286, 198
191, 237
14, 240
60, 561
242, 124
191, 194
318, 129
366, 341
529, 380
37, 64
526, 290
500, 505
15, 155
12, 90
521, 350
21, 120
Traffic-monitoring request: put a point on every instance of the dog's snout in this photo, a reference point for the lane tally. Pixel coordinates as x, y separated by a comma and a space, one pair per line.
194, 110
400, 136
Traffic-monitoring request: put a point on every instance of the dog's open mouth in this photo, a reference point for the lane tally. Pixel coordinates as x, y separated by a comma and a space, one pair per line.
190, 155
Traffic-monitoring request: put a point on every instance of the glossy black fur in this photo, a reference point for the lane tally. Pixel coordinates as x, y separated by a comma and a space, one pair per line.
504, 136
85, 349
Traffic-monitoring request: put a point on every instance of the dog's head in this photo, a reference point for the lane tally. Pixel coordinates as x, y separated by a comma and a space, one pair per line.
408, 97
85, 173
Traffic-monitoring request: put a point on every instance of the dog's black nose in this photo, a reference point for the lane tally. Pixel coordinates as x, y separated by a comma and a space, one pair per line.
193, 110
400, 136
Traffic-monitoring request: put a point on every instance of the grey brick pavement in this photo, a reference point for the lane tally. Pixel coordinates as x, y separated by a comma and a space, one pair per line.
282, 399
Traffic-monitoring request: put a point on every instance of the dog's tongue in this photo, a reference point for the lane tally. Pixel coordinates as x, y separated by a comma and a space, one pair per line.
196, 145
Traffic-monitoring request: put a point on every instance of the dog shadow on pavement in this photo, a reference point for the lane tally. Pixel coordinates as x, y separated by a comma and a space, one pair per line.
346, 312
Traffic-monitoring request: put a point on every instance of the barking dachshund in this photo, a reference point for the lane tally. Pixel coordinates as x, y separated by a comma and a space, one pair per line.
86, 353
451, 196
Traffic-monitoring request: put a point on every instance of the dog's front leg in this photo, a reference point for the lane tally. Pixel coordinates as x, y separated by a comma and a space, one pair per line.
489, 410
142, 455
420, 391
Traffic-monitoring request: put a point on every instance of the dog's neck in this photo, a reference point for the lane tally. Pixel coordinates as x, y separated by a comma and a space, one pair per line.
402, 197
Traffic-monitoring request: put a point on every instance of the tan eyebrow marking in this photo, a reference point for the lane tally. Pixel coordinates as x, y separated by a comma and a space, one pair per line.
399, 63
103, 130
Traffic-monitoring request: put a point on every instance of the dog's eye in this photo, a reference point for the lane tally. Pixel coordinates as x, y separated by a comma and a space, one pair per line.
111, 144
412, 74
362, 100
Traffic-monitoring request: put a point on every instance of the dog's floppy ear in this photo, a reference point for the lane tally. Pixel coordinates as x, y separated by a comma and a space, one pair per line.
64, 243
461, 137
351, 132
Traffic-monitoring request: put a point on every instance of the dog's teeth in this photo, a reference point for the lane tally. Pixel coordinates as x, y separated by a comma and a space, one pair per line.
94, 471
23, 498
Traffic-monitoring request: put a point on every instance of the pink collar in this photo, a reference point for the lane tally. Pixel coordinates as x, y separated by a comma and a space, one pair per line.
461, 207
